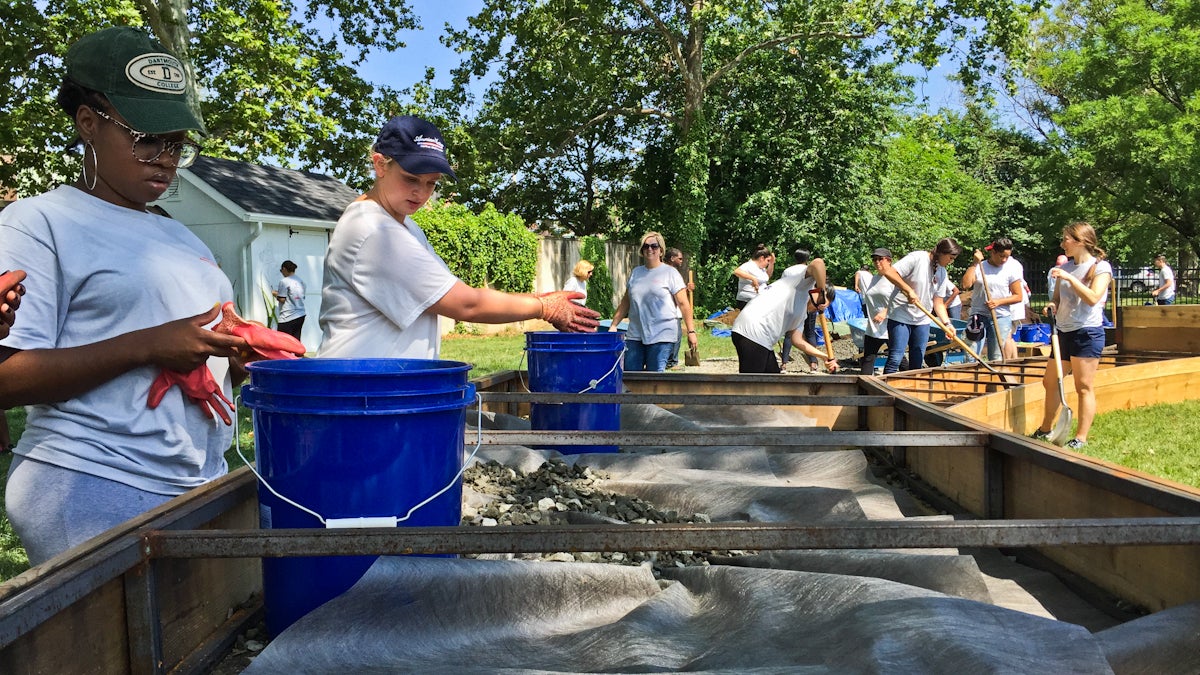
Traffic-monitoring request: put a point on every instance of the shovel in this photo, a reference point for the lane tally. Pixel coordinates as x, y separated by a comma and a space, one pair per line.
815, 294
692, 358
1061, 432
995, 324
954, 336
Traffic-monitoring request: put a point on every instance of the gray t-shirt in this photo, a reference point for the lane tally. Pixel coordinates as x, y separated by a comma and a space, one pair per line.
292, 291
652, 304
1073, 313
96, 271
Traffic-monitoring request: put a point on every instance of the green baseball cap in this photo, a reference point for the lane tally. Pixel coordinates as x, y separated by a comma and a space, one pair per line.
143, 81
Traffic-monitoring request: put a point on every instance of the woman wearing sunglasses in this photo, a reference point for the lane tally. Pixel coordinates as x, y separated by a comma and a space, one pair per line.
654, 291
116, 295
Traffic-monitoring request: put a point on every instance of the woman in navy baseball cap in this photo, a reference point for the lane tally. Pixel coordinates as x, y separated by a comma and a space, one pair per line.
384, 286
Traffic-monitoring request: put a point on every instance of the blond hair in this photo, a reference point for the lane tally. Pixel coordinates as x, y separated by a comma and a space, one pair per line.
581, 270
662, 244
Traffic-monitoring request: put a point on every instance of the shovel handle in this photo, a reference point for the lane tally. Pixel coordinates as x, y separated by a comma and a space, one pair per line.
959, 341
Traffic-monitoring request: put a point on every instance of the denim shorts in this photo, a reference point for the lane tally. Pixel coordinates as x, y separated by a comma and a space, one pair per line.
1086, 343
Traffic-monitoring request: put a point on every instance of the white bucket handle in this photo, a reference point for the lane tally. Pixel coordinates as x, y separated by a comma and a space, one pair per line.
592, 384
362, 521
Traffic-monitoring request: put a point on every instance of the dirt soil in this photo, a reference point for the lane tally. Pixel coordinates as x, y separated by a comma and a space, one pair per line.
843, 349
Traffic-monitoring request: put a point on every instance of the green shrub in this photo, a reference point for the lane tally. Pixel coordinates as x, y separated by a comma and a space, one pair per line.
600, 287
485, 249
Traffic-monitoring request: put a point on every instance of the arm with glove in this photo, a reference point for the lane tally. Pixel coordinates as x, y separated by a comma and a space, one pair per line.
485, 305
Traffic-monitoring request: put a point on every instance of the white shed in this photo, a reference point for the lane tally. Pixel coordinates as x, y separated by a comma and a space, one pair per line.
255, 217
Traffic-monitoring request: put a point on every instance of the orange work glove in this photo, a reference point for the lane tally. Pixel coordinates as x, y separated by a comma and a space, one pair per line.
266, 343
567, 316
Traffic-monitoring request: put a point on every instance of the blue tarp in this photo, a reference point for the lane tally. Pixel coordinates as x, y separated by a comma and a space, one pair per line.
846, 305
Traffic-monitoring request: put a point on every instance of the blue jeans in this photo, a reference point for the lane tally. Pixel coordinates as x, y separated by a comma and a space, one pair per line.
651, 357
900, 335
994, 347
1168, 301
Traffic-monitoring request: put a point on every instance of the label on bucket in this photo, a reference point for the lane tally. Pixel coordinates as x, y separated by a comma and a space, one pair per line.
346, 523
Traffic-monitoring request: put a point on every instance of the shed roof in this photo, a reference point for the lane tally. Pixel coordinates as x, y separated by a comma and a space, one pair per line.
275, 191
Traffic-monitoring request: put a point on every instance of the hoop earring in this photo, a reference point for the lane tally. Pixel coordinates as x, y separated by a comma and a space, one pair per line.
90, 185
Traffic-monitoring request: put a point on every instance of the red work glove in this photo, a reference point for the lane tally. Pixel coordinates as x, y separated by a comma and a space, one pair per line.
567, 316
198, 385
266, 343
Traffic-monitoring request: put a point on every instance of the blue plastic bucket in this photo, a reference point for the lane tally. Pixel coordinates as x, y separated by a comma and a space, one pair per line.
377, 451
567, 363
1034, 332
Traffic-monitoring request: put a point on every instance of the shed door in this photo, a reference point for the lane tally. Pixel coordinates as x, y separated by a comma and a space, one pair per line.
306, 248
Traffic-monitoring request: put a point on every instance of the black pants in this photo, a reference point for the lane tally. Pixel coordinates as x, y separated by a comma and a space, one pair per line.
871, 347
292, 327
753, 357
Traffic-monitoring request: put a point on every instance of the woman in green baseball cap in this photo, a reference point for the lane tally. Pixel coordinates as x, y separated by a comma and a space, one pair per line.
117, 296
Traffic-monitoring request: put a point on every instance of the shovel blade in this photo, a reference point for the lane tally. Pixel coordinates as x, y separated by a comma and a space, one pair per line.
692, 358
1061, 433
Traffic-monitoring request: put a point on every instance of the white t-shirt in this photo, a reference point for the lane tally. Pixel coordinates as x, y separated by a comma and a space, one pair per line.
999, 280
1018, 310
878, 295
96, 271
1164, 275
745, 288
652, 304
778, 310
914, 268
574, 284
1073, 313
380, 278
862, 279
577, 286
292, 290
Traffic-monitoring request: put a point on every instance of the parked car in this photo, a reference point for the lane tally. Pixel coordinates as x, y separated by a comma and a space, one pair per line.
1142, 280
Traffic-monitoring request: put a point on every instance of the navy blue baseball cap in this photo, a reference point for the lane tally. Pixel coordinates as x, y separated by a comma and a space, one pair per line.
416, 145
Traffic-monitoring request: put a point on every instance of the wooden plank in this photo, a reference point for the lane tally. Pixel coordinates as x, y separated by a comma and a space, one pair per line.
1158, 316
86, 637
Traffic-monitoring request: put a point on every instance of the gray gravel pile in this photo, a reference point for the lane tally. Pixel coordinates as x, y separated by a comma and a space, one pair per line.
558, 493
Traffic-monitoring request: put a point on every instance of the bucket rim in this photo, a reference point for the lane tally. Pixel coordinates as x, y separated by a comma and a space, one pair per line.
275, 406
372, 367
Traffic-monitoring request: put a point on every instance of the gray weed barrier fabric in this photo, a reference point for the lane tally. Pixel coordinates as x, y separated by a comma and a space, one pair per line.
888, 611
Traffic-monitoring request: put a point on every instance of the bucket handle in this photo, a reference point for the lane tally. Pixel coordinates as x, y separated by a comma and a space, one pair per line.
364, 521
591, 384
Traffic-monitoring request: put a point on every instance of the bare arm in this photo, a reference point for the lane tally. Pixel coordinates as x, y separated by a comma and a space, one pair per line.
1090, 294
621, 312
34, 376
798, 340
685, 308
889, 272
485, 305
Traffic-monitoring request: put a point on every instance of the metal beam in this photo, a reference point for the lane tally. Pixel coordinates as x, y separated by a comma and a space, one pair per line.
671, 537
850, 400
795, 437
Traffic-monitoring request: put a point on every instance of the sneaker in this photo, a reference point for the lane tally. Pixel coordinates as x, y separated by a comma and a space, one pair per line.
1039, 435
1075, 444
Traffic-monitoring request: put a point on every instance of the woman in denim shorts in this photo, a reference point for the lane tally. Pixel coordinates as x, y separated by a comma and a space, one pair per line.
1078, 306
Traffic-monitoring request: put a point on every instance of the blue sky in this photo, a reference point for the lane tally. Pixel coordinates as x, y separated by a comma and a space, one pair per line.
402, 68
406, 66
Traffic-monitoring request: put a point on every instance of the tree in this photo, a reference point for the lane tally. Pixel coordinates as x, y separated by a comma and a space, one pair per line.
276, 80
1119, 80
577, 64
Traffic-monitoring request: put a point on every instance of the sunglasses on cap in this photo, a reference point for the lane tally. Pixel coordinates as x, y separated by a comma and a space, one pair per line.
652, 245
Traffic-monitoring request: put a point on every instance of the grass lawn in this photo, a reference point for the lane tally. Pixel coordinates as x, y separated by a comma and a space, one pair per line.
1163, 440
